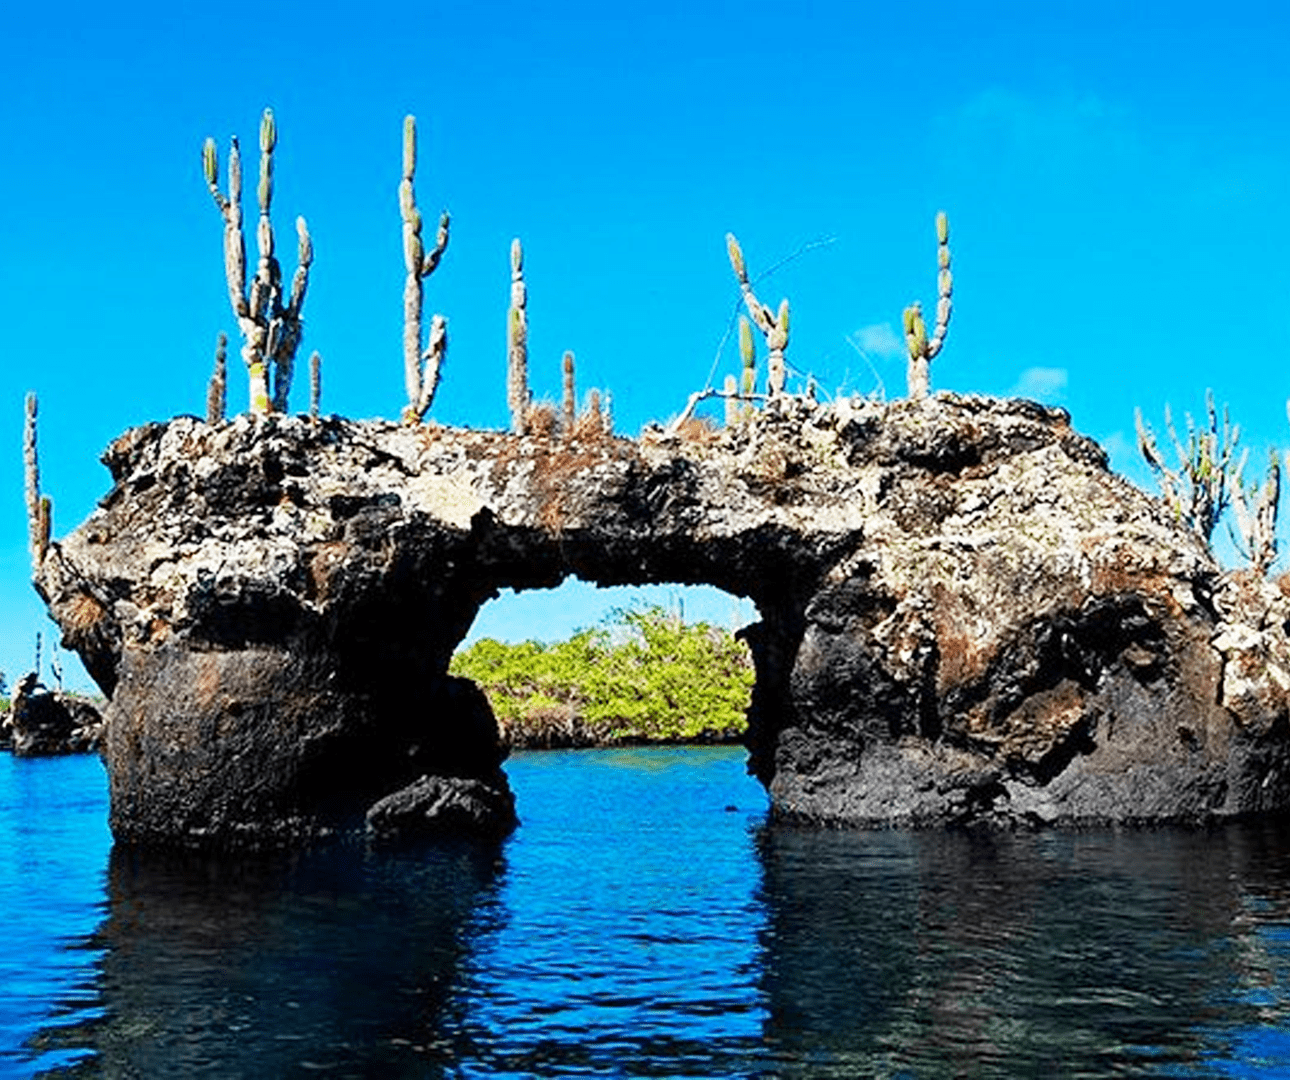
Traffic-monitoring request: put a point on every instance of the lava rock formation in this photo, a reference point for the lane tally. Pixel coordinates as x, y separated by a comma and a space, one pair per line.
965, 616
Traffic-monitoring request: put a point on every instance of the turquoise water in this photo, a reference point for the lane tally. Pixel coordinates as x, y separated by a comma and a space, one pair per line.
645, 920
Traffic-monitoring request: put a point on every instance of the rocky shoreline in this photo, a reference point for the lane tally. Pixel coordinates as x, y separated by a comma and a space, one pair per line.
965, 616
45, 723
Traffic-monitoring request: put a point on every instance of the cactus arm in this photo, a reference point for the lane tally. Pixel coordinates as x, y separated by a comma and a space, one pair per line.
944, 286
285, 327
1168, 480
1256, 533
569, 403
300, 279
31, 475
431, 261
777, 341
1243, 537
230, 208
517, 392
217, 389
435, 354
774, 326
1267, 516
315, 383
918, 377
44, 527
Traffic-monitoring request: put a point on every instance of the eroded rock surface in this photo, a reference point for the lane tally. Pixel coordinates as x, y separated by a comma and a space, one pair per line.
964, 614
47, 723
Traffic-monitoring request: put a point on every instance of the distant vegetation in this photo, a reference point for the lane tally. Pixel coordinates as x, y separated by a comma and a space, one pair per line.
644, 676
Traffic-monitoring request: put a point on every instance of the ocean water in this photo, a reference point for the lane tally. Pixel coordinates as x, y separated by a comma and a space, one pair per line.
646, 920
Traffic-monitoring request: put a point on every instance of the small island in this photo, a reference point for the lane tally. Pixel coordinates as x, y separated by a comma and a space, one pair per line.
965, 617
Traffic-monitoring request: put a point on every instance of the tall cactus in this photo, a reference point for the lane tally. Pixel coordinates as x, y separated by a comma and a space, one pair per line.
569, 409
270, 322
748, 360
217, 388
1199, 490
730, 391
922, 350
517, 342
315, 384
1256, 530
421, 366
39, 509
774, 325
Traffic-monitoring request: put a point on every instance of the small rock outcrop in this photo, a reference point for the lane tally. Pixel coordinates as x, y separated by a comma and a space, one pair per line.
438, 806
964, 616
45, 723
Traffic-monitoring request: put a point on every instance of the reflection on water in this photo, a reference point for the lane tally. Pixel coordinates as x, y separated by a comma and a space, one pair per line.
647, 920
1086, 954
631, 938
53, 852
331, 961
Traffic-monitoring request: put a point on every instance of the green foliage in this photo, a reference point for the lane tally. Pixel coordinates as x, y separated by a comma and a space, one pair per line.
643, 677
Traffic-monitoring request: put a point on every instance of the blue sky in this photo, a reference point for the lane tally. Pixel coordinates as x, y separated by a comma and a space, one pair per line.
1115, 177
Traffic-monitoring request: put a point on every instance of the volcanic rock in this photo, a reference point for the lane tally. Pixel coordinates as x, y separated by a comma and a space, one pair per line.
44, 723
437, 806
964, 614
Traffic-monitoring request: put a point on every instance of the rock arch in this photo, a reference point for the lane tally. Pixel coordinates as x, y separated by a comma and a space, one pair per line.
964, 616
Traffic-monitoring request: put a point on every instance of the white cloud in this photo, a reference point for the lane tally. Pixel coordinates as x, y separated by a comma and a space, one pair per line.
1046, 384
880, 341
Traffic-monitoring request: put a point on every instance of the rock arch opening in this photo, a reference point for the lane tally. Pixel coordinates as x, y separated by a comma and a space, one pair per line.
578, 666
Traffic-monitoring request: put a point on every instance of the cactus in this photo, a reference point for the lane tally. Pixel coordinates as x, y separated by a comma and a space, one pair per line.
570, 403
436, 352
748, 377
774, 326
36, 532
922, 350
1199, 490
1256, 534
730, 391
421, 366
270, 327
315, 384
517, 343
217, 388
44, 527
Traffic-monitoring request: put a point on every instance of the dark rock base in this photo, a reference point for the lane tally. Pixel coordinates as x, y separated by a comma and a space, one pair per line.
47, 723
444, 806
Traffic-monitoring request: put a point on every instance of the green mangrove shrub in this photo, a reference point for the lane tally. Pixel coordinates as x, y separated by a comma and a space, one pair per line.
642, 677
